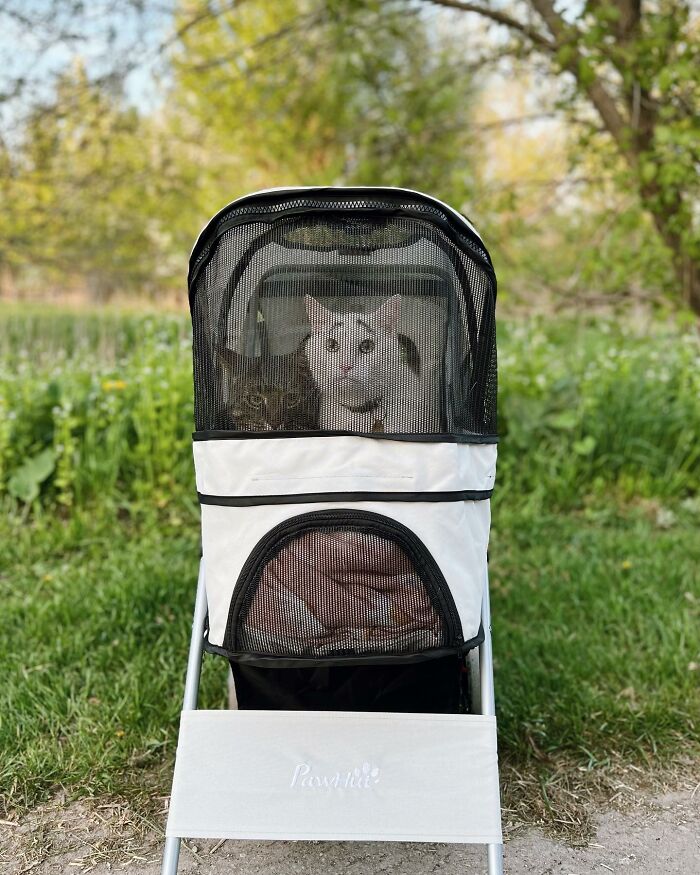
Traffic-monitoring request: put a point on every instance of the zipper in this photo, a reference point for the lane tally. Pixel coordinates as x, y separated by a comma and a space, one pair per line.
352, 520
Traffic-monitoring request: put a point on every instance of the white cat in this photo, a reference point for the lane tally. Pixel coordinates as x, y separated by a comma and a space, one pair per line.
356, 362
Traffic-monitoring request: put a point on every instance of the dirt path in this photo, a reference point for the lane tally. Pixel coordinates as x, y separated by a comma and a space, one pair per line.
659, 836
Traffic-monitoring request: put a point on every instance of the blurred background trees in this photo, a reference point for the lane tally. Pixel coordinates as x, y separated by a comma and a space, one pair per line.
308, 94
569, 134
635, 68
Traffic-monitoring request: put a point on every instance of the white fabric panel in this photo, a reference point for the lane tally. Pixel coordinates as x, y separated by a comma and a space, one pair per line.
336, 775
300, 465
455, 533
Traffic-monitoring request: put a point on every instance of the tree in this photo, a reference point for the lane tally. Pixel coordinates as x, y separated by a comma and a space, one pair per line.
89, 191
258, 94
312, 92
635, 66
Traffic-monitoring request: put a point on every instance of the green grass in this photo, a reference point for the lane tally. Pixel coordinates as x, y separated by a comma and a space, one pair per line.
93, 647
596, 633
594, 556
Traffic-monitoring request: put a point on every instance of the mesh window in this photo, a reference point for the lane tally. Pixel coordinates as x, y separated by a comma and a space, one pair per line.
342, 319
340, 590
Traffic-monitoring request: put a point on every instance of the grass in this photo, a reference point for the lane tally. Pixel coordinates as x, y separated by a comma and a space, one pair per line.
93, 648
596, 633
594, 556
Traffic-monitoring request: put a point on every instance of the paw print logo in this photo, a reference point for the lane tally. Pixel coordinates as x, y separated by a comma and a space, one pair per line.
368, 775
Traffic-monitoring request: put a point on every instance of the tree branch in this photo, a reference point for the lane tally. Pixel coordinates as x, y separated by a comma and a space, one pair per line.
603, 102
532, 33
562, 34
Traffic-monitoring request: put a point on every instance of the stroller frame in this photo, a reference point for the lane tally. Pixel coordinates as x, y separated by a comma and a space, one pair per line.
359, 625
482, 695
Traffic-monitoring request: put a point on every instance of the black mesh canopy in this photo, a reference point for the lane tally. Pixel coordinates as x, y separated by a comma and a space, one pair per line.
343, 311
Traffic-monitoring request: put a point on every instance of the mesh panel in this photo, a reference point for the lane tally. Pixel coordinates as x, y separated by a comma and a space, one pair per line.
344, 320
302, 203
338, 591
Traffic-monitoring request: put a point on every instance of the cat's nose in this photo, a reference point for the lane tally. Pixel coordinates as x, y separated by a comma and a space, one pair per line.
346, 368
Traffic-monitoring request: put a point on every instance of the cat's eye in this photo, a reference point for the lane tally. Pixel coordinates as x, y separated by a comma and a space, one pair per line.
331, 344
367, 345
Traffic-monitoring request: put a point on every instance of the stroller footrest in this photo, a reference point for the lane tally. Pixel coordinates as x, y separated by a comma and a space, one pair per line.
336, 775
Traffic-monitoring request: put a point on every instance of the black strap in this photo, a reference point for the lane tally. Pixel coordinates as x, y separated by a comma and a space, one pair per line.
317, 497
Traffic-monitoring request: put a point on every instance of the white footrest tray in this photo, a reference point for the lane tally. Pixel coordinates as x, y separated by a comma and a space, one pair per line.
336, 775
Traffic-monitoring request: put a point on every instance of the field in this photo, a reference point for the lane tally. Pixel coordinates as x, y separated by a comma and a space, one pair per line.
595, 556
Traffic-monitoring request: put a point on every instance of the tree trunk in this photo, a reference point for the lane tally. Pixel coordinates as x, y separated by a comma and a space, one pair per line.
634, 133
688, 273
685, 266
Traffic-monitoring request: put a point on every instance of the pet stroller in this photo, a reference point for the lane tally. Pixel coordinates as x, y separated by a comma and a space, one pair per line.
345, 404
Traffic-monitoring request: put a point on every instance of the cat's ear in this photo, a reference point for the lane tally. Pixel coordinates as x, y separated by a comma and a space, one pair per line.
387, 316
319, 316
238, 366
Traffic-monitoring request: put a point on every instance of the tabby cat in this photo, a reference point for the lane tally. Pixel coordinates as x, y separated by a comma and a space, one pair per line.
269, 393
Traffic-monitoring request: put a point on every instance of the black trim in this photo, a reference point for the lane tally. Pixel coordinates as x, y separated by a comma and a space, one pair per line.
264, 659
230, 435
314, 497
358, 520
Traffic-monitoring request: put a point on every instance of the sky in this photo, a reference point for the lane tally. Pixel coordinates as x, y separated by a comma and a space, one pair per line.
40, 37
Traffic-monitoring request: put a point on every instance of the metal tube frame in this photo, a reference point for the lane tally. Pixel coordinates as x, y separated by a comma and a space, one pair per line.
171, 854
494, 852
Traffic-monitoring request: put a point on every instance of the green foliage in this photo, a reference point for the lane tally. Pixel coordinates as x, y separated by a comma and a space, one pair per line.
310, 92
109, 398
92, 196
643, 62
99, 196
25, 482
598, 409
604, 254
